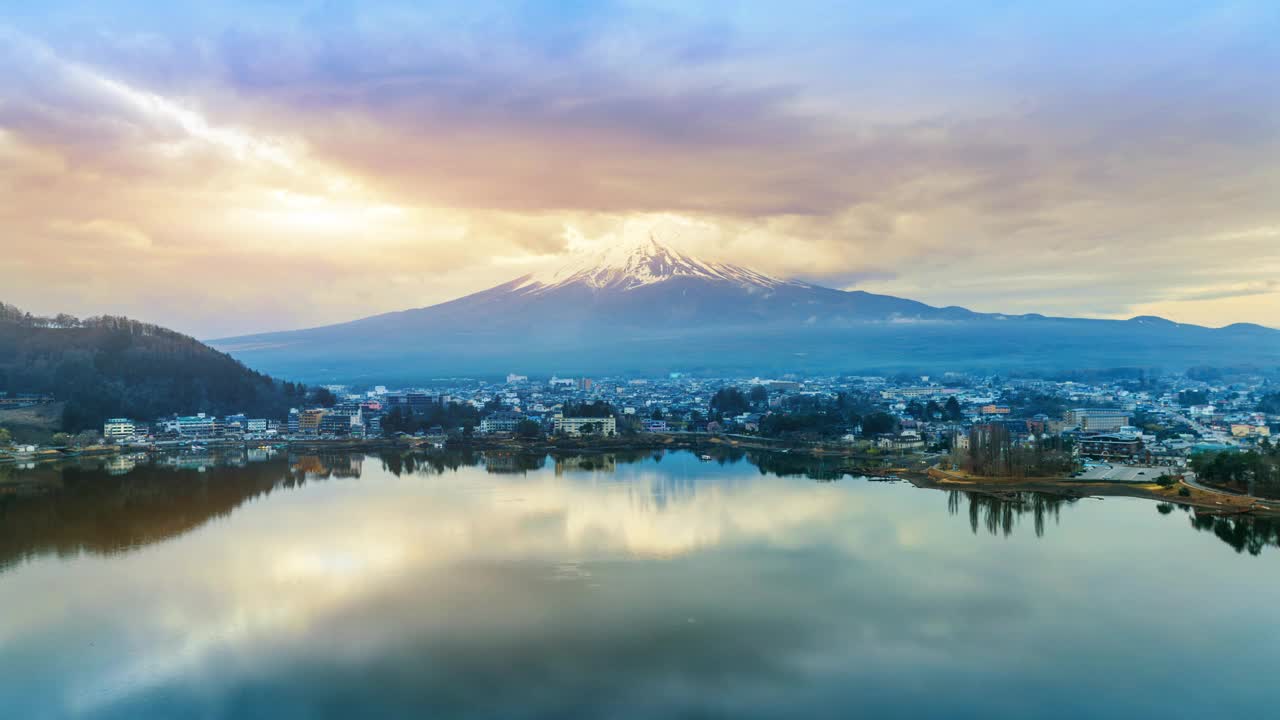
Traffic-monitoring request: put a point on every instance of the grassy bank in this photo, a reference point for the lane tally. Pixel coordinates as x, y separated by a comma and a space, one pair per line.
938, 478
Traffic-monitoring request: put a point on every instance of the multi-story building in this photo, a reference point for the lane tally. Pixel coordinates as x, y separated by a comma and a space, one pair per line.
413, 402
580, 425
200, 426
343, 419
309, 421
1245, 430
1098, 419
500, 422
1110, 446
916, 392
118, 430
341, 424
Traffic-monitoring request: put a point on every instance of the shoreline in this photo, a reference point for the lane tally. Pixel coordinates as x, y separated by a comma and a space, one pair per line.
640, 442
916, 470
1201, 498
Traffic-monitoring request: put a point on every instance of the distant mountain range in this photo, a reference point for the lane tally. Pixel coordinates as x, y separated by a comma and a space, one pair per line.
646, 308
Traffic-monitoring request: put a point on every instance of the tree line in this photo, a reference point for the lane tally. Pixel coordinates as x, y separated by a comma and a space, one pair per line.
992, 452
447, 416
1256, 472
116, 367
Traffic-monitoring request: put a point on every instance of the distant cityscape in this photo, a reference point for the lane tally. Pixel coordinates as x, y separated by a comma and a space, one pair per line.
1155, 421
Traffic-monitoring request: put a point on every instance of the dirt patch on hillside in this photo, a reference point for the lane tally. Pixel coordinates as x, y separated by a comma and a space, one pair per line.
35, 424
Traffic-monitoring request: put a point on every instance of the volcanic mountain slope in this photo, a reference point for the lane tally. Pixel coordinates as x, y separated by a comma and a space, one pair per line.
645, 307
646, 284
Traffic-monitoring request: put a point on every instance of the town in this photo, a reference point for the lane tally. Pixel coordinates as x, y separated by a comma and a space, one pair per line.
1098, 429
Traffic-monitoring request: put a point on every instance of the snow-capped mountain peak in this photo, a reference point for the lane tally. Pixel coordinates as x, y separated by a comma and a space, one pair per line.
627, 266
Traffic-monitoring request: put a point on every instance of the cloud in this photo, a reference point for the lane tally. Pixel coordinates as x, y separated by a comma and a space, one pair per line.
384, 157
1248, 289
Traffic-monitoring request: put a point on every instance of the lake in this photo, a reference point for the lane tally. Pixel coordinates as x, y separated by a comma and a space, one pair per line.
612, 586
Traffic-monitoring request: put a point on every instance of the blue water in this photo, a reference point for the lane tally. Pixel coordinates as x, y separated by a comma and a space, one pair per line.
364, 587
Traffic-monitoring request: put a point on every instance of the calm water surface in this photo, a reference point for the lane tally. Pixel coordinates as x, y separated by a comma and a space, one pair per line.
613, 587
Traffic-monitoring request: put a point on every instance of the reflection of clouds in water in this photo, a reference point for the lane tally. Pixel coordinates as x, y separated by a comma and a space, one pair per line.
650, 516
282, 567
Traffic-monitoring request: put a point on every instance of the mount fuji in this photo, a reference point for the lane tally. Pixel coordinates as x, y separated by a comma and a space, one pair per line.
645, 308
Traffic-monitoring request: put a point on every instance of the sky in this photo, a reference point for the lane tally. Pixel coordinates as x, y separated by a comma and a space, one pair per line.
232, 167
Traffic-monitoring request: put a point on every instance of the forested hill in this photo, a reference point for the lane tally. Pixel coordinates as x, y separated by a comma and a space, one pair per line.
113, 366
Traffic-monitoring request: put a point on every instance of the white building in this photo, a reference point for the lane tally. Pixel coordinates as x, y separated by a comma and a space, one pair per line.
500, 422
195, 425
118, 430
579, 425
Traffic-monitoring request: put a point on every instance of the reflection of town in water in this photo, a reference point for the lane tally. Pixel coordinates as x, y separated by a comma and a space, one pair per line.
124, 502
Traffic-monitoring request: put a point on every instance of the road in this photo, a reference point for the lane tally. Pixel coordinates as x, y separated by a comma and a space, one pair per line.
1195, 425
1190, 479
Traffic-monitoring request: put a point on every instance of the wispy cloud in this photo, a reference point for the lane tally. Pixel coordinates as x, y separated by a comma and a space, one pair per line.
383, 155
1235, 290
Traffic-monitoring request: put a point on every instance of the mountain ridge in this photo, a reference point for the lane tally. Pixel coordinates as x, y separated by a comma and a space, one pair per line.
645, 307
116, 367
